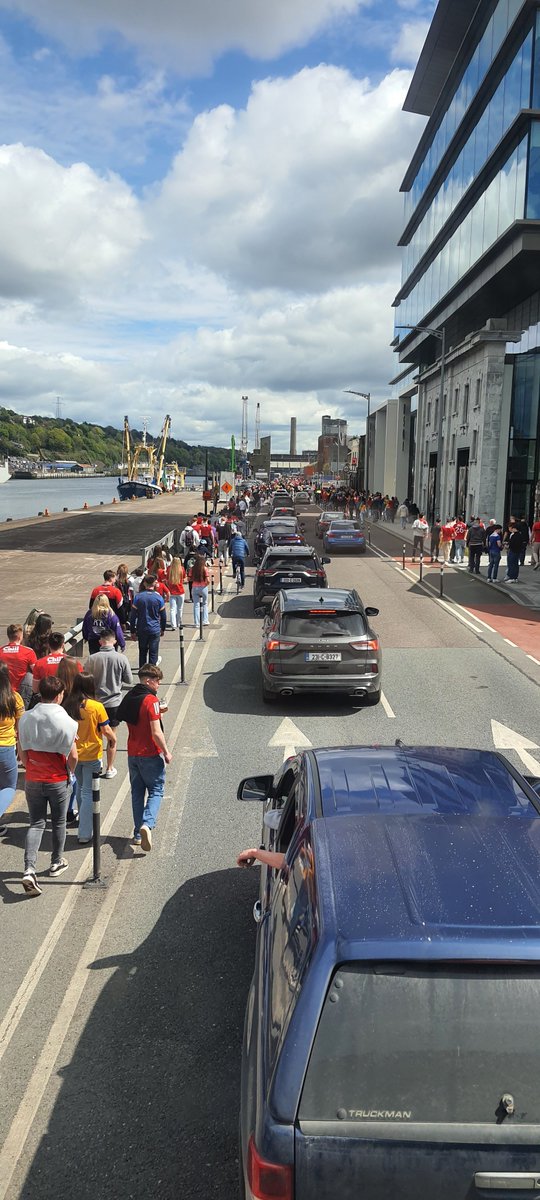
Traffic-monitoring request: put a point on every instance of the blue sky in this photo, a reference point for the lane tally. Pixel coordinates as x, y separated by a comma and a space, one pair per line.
199, 202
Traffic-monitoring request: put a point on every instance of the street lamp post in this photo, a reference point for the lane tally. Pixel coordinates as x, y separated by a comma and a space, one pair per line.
440, 334
364, 396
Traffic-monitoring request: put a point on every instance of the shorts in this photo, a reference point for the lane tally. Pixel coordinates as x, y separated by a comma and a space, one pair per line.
111, 711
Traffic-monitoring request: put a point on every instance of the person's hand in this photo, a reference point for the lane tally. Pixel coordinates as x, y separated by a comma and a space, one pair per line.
246, 858
167, 756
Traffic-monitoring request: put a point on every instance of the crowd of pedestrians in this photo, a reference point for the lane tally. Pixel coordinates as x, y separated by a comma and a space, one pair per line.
464, 543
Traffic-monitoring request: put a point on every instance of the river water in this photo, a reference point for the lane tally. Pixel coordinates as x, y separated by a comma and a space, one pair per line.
28, 497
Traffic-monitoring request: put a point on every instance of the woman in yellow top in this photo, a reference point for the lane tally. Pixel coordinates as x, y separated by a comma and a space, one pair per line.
11, 709
82, 705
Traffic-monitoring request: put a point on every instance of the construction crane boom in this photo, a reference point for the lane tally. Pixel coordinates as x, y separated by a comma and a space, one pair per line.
258, 427
161, 449
244, 438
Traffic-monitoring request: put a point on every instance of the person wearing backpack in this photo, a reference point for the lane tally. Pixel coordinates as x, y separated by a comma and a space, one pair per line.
189, 541
99, 618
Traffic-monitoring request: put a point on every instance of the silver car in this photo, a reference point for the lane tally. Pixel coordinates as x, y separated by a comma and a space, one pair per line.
320, 641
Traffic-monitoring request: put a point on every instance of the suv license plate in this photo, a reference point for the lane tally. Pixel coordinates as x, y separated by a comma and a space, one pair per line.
327, 657
292, 579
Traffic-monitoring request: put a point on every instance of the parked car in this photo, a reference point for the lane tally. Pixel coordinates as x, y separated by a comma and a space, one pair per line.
320, 643
287, 567
344, 535
391, 1024
324, 521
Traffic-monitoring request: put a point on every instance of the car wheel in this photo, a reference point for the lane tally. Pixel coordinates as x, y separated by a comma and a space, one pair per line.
373, 698
268, 696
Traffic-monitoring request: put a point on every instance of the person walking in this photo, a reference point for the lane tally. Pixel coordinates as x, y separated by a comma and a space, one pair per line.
99, 618
447, 539
48, 752
524, 530
200, 580
110, 589
50, 663
421, 530
475, 540
93, 725
148, 621
460, 534
435, 539
20, 662
494, 548
403, 514
238, 550
514, 543
111, 672
535, 545
38, 637
147, 752
176, 577
11, 711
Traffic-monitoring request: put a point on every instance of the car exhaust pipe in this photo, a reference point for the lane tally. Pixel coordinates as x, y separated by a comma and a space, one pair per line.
359, 692
286, 692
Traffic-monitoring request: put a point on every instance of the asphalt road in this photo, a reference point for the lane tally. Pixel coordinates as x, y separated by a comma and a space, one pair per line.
121, 1010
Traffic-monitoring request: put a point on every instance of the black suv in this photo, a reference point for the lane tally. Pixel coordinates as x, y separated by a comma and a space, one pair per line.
286, 567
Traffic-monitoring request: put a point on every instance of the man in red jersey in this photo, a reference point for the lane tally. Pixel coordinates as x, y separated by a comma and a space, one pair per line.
19, 661
108, 588
49, 664
147, 752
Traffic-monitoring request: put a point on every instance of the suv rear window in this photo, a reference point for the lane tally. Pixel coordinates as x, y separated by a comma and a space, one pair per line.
400, 1042
290, 563
320, 625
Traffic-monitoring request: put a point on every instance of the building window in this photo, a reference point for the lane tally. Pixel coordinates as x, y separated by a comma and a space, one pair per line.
453, 448
456, 402
474, 447
478, 394
465, 416
444, 400
428, 413
436, 415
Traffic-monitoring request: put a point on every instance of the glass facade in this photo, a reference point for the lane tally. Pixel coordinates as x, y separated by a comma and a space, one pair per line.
502, 203
523, 464
512, 95
476, 69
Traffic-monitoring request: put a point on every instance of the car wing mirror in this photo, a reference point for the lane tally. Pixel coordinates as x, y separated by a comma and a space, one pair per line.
371, 612
255, 787
326, 560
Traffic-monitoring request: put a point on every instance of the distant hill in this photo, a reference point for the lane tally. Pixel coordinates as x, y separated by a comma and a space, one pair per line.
88, 443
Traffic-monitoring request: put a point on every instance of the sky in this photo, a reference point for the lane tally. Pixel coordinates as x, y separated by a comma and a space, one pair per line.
200, 202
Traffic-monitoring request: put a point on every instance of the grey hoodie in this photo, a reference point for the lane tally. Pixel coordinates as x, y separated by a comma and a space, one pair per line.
47, 727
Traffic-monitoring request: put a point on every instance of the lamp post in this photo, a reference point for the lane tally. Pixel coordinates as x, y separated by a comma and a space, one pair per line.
440, 334
364, 396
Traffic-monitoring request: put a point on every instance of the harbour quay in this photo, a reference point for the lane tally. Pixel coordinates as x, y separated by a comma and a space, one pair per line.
52, 563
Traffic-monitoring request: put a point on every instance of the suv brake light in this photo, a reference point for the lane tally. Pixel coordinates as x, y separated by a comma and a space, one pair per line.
365, 645
278, 644
268, 1181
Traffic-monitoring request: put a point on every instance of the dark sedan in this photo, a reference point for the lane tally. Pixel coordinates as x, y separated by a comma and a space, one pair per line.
285, 567
391, 1030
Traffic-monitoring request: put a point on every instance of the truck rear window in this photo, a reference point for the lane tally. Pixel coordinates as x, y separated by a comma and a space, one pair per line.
400, 1042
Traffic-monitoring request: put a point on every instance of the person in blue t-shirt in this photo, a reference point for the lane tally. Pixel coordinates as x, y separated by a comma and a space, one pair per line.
148, 620
494, 547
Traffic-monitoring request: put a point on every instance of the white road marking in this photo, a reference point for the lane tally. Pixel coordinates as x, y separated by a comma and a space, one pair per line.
387, 708
171, 831
508, 739
534, 660
509, 643
289, 736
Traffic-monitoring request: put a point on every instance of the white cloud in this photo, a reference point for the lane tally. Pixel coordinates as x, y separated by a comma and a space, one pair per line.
298, 191
185, 34
410, 42
61, 229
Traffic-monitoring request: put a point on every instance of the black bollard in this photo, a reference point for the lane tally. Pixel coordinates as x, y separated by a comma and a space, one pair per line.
220, 577
369, 535
96, 880
404, 553
421, 566
201, 635
441, 588
212, 593
182, 654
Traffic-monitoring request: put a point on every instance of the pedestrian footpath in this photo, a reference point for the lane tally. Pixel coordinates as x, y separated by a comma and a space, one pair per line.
526, 592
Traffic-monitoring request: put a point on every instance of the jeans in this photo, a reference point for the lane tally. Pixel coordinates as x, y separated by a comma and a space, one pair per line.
512, 565
8, 776
38, 795
83, 775
535, 554
176, 609
435, 551
459, 550
148, 647
239, 562
200, 597
403, 522
418, 544
475, 554
146, 774
493, 568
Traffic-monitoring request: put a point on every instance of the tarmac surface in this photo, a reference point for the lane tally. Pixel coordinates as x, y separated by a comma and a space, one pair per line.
121, 1010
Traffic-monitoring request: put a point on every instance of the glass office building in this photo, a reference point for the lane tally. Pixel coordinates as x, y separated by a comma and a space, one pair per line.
470, 290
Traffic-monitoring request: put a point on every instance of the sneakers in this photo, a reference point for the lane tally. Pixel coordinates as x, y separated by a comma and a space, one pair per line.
30, 884
59, 867
158, 660
72, 818
85, 841
146, 838
109, 773
3, 830
136, 839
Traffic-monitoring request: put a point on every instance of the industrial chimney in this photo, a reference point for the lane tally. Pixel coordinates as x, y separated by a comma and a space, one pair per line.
292, 447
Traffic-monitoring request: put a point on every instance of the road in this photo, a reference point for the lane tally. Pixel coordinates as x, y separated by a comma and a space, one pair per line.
121, 1010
